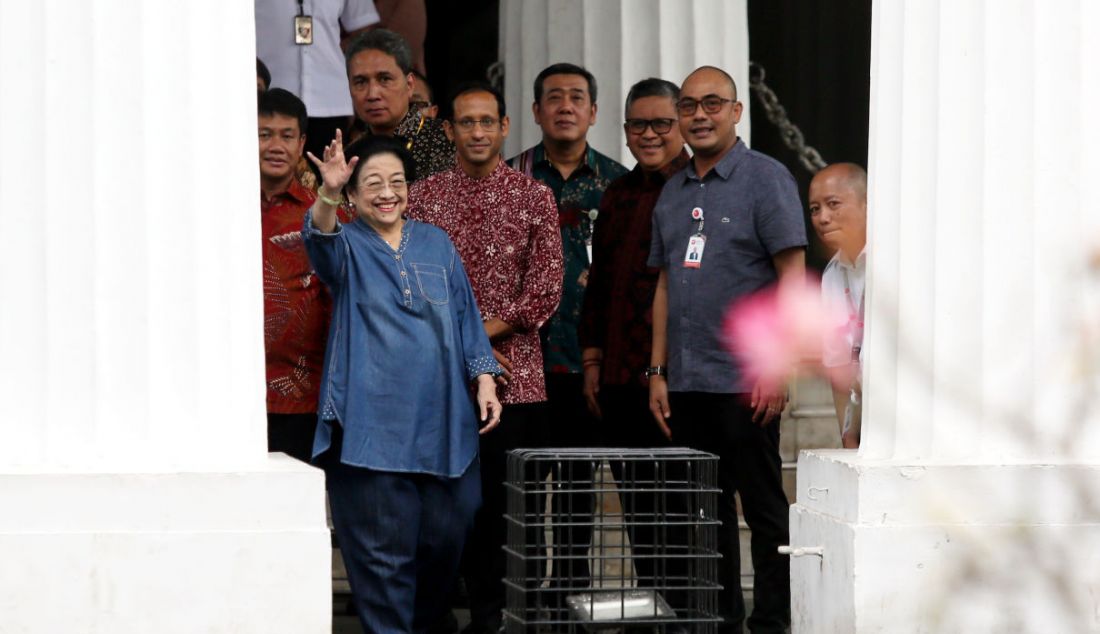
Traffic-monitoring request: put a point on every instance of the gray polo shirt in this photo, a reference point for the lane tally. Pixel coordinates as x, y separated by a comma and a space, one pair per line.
751, 212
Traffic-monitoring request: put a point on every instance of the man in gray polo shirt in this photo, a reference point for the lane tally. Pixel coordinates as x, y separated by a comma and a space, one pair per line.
726, 226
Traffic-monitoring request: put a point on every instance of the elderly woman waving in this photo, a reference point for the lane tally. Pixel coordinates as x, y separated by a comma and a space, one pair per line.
398, 432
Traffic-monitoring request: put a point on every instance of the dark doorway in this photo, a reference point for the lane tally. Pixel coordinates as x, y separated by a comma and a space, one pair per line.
461, 44
817, 57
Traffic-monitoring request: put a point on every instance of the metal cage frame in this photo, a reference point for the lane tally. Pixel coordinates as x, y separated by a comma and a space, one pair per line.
606, 539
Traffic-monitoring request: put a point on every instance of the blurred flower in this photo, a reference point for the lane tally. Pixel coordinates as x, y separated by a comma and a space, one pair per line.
776, 330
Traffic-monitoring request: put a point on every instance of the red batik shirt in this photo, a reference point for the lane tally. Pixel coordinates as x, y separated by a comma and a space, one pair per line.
505, 227
296, 306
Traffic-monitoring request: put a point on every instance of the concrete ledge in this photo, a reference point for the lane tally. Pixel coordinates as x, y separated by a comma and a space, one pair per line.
239, 552
943, 578
944, 547
840, 484
201, 501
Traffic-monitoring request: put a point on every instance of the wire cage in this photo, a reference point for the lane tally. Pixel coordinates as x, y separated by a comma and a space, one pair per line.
612, 539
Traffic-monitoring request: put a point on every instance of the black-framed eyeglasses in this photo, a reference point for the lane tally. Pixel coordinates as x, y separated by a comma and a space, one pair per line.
467, 125
638, 126
711, 105
419, 105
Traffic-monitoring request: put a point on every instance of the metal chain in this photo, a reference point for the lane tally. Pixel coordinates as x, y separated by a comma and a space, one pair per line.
777, 114
495, 75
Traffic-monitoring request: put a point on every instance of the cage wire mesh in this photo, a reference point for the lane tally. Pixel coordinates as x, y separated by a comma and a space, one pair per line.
609, 539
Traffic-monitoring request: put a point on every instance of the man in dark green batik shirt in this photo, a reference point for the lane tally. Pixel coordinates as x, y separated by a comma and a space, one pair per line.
565, 107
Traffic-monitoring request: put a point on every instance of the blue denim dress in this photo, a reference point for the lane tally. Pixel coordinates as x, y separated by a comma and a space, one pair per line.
405, 341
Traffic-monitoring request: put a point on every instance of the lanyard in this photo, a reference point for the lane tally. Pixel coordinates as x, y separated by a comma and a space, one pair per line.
301, 7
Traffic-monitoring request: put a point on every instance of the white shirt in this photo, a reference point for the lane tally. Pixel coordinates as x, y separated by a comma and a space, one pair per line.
842, 286
315, 72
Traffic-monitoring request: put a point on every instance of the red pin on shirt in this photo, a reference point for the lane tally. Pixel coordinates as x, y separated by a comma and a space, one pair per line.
697, 213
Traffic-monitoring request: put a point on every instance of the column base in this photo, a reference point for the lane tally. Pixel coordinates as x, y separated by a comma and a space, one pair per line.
944, 547
157, 553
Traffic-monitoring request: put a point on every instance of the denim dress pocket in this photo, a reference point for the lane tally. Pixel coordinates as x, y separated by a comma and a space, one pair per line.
432, 281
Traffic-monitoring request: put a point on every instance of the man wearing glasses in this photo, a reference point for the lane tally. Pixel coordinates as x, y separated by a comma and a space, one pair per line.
728, 225
505, 227
422, 99
296, 304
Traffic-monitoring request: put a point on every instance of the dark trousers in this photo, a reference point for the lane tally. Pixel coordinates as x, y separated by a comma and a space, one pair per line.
751, 466
292, 434
483, 562
401, 536
572, 426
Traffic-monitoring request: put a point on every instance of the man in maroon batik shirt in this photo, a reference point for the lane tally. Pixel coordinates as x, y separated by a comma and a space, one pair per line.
616, 321
505, 227
296, 304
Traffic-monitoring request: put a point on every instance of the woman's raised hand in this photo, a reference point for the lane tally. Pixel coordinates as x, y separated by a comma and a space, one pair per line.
335, 171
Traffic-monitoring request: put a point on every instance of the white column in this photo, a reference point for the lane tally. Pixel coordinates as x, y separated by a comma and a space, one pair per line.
621, 42
138, 495
971, 503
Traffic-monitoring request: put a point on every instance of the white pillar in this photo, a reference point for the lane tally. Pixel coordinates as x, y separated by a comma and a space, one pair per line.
138, 495
971, 503
621, 42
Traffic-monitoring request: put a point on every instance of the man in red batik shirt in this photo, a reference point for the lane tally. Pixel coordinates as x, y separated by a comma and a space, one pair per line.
505, 227
296, 304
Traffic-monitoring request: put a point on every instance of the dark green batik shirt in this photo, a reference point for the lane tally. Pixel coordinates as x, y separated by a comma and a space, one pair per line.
578, 200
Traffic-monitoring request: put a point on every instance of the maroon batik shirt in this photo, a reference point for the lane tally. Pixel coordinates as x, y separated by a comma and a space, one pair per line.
505, 227
618, 304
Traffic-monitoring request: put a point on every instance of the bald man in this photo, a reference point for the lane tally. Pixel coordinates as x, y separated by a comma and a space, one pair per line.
838, 211
726, 226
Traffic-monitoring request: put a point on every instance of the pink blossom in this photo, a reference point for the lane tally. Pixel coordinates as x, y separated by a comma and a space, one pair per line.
778, 329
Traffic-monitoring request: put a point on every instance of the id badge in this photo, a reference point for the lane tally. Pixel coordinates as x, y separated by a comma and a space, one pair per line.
303, 29
693, 259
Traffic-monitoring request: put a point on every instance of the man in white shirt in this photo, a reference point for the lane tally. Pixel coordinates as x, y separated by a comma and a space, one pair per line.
299, 41
838, 210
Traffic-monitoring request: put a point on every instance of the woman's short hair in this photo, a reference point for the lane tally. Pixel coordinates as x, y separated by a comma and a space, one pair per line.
371, 146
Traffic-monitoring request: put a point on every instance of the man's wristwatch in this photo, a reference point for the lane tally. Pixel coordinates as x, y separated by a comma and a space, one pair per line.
656, 370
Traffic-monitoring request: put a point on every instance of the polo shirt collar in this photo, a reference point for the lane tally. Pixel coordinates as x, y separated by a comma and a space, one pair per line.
725, 166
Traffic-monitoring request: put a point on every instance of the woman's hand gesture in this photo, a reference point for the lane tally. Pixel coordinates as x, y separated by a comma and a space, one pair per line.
335, 171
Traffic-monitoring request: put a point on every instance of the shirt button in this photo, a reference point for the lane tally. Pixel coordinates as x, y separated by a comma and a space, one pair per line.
397, 257
402, 274
408, 292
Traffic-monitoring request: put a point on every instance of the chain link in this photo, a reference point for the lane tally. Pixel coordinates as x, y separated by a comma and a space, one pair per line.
495, 75
777, 114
